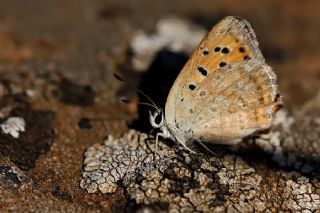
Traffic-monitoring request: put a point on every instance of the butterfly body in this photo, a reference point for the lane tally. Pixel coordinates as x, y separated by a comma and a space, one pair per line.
225, 91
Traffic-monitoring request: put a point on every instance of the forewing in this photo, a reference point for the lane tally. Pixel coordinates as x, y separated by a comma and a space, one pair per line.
231, 41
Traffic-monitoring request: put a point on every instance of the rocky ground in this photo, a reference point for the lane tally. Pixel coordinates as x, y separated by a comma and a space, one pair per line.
57, 60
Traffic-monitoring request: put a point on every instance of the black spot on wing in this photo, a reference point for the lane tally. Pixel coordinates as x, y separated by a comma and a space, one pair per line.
192, 86
217, 49
225, 50
246, 58
222, 64
202, 71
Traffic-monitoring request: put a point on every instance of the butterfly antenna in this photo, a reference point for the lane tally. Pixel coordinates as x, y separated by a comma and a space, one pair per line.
140, 103
138, 90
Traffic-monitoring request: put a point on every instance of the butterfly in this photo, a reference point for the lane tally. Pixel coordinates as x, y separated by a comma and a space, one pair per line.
224, 92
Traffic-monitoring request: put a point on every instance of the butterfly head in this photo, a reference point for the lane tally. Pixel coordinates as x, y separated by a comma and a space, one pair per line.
156, 118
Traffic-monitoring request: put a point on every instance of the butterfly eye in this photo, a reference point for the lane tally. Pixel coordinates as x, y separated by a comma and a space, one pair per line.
158, 118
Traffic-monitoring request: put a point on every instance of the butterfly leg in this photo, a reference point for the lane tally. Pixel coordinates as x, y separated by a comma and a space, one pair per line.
187, 148
166, 136
157, 143
207, 148
157, 138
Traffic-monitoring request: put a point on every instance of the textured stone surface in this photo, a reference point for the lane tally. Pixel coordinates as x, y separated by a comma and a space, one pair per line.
193, 182
56, 64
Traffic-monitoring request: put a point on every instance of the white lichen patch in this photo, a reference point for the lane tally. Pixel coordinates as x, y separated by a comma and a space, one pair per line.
106, 164
13, 126
174, 34
150, 176
292, 140
191, 182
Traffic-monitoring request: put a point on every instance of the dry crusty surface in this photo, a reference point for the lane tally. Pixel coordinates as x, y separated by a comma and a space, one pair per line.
173, 179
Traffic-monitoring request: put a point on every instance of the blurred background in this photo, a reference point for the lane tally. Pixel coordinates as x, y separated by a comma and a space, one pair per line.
89, 41
61, 56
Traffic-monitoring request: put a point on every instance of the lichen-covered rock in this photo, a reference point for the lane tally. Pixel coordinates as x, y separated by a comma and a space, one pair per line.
193, 182
185, 181
106, 164
294, 141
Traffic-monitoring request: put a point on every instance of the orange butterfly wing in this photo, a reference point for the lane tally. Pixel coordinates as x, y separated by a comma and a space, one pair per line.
231, 41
